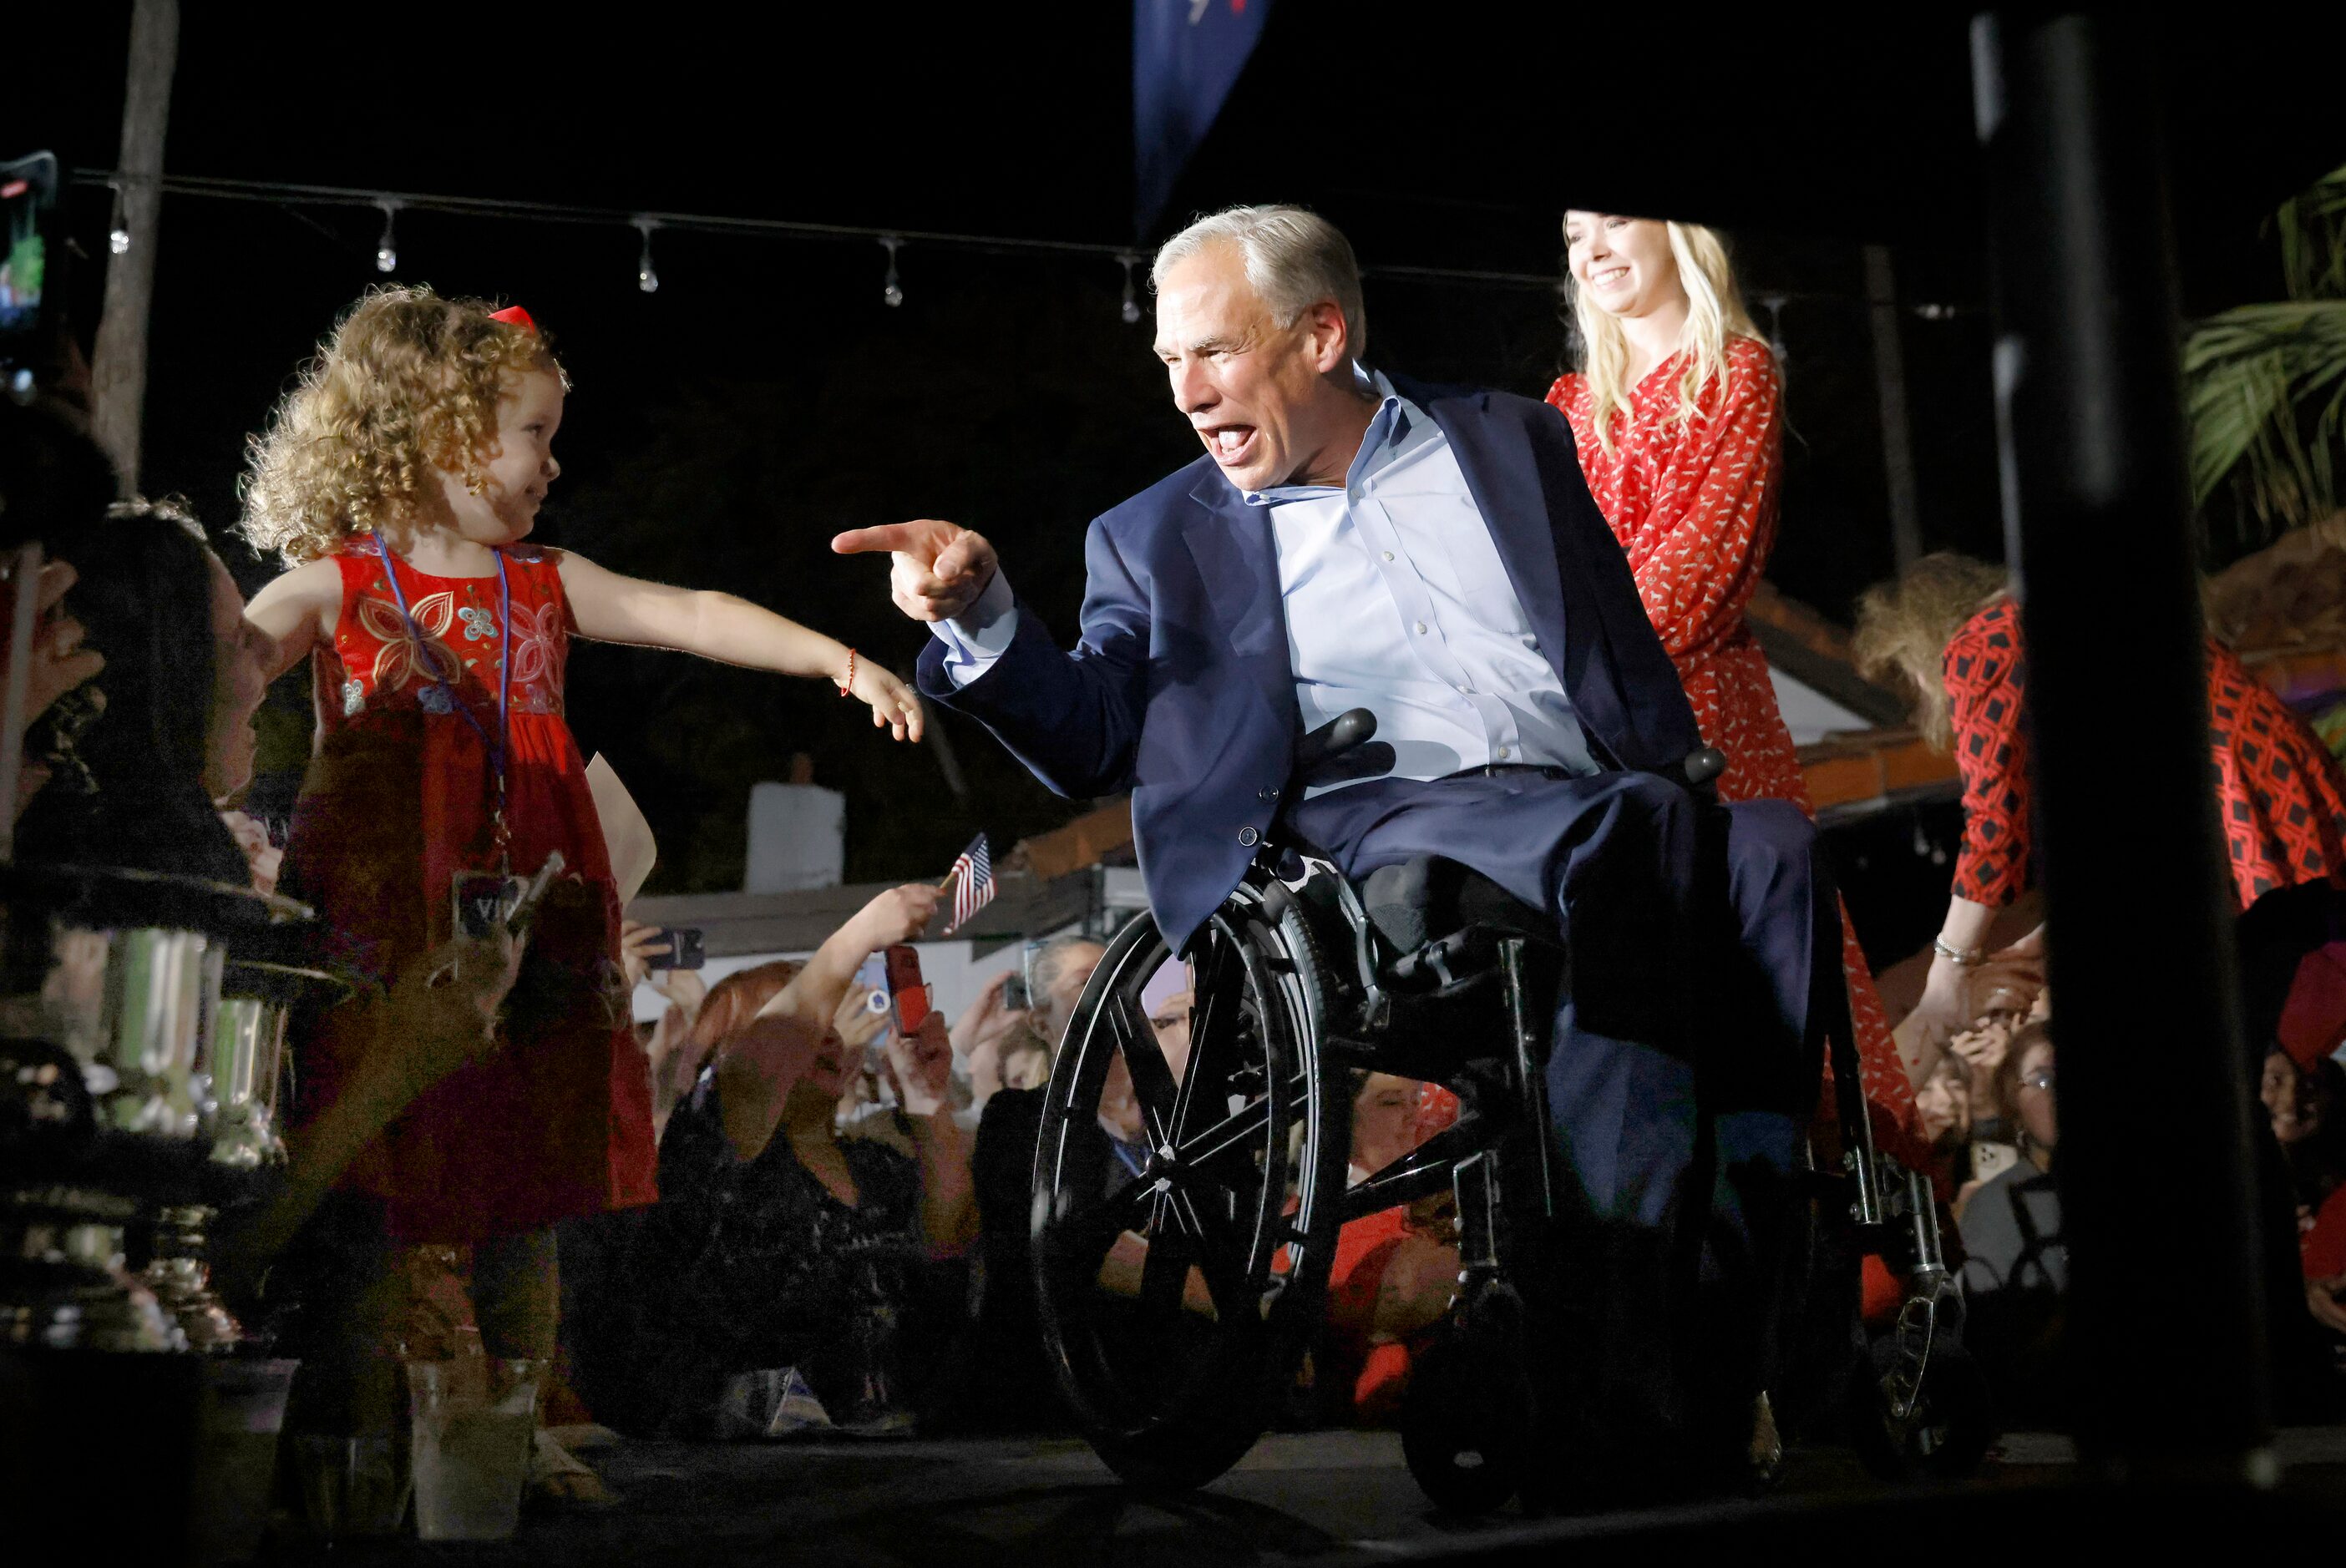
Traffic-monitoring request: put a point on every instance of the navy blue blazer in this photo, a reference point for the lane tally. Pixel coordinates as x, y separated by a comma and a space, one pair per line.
1180, 690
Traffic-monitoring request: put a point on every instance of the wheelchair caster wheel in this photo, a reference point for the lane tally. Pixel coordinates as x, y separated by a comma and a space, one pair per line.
1467, 1427
1945, 1431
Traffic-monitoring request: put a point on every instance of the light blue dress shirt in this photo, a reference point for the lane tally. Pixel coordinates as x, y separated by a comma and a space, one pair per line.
1397, 601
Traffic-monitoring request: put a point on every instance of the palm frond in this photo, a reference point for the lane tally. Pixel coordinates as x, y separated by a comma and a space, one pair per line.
2252, 375
2265, 385
2311, 228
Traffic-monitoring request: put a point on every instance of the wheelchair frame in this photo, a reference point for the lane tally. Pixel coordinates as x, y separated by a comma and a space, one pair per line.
1373, 1012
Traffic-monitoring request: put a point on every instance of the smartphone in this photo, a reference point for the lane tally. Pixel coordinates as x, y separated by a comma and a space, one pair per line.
1013, 994
906, 989
872, 977
685, 948
1027, 989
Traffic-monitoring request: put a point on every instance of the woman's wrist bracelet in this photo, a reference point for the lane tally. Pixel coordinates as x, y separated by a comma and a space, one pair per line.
1961, 957
847, 685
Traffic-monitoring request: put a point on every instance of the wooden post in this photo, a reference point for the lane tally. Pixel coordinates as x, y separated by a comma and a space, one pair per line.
119, 376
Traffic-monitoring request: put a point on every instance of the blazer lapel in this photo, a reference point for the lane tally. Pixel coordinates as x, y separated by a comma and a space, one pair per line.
1503, 476
1232, 545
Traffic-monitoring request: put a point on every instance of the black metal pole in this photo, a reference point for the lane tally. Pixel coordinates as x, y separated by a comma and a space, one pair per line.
1889, 390
2165, 1341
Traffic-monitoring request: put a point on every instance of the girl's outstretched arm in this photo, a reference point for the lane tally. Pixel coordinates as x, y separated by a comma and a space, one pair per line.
612, 608
297, 611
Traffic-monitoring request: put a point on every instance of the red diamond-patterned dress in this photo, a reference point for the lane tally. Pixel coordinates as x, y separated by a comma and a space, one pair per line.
557, 1121
1693, 501
2278, 789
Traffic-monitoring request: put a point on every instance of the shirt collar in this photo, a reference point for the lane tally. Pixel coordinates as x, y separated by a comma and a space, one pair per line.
1384, 435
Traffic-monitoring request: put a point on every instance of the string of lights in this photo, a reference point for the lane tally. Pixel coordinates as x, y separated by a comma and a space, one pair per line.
391, 203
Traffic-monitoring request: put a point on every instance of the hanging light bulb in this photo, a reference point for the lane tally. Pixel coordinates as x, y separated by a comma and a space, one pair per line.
387, 249
118, 236
1131, 303
646, 279
891, 291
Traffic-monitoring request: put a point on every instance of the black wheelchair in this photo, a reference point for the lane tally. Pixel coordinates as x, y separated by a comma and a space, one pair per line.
1181, 1286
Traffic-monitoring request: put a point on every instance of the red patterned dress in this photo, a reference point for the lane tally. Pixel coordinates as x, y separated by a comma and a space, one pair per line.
557, 1121
1693, 501
2278, 789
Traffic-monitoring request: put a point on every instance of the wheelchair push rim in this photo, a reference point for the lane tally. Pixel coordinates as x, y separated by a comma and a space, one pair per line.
1173, 1366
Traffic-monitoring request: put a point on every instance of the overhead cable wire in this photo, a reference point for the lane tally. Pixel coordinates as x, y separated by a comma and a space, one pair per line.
287, 194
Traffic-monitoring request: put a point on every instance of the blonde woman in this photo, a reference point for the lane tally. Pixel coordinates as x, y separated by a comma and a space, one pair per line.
1677, 412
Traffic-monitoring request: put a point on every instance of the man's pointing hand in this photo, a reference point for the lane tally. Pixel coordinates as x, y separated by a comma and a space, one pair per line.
936, 570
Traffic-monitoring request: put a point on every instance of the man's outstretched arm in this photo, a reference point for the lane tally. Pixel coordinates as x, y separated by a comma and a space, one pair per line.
1073, 718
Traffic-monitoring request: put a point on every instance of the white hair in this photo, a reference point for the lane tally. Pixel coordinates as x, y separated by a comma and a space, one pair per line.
1055, 959
1295, 259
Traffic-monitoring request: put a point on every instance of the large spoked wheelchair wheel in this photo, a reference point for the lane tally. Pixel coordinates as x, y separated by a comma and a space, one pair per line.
1180, 1275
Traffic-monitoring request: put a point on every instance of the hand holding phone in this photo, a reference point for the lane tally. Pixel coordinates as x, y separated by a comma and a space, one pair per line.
924, 1064
906, 990
686, 948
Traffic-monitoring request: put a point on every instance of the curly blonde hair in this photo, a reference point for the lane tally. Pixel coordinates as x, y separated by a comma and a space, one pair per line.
1903, 628
408, 383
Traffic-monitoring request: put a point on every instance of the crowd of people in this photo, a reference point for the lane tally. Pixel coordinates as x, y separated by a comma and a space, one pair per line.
1949, 630
773, 1212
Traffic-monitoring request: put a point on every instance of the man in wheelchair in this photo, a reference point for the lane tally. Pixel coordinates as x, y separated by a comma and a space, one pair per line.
1525, 848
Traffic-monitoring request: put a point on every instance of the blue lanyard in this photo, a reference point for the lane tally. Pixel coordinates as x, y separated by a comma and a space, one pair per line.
497, 743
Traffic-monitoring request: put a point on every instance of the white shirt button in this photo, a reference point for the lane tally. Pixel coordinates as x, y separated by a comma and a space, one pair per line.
1421, 628
1530, 641
1388, 555
1502, 754
1467, 690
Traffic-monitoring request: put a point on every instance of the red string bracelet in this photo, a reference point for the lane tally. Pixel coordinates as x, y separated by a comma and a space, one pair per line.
847, 687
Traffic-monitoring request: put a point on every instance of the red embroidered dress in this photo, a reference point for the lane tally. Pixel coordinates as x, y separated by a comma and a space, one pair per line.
557, 1121
1694, 502
2277, 789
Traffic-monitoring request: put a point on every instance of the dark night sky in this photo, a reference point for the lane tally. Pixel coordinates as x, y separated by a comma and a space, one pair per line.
724, 427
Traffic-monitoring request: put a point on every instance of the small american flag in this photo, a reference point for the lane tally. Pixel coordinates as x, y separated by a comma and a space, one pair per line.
970, 883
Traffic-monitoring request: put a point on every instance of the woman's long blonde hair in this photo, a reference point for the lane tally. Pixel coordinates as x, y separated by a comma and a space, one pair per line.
1903, 628
408, 384
1715, 314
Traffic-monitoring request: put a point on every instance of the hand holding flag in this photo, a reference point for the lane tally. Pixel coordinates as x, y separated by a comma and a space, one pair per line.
970, 883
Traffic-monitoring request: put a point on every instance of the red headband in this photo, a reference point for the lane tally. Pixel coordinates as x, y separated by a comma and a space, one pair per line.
515, 316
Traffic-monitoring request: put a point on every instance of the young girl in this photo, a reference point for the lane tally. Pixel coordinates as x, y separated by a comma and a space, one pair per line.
401, 479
